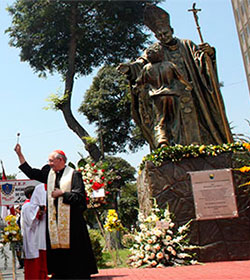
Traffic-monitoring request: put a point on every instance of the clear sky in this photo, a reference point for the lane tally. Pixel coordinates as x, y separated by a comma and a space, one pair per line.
23, 95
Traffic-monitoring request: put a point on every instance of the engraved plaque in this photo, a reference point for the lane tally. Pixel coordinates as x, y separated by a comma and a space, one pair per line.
214, 196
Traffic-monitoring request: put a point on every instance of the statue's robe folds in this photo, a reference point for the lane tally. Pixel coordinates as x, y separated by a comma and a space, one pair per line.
185, 116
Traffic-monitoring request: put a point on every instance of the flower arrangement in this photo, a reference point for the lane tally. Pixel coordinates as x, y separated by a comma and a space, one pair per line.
158, 243
113, 225
245, 169
112, 222
96, 176
179, 152
11, 233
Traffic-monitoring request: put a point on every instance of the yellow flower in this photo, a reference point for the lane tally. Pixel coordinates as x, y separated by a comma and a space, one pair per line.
244, 169
247, 146
202, 147
112, 221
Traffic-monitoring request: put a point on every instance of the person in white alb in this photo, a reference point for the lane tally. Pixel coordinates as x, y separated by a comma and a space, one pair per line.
33, 226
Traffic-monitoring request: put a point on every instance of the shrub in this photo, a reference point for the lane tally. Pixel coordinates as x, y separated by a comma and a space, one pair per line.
97, 246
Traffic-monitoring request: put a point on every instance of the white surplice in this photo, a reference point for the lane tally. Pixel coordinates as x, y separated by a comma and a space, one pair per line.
33, 229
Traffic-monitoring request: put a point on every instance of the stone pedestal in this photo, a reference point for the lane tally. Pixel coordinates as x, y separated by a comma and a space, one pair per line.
220, 239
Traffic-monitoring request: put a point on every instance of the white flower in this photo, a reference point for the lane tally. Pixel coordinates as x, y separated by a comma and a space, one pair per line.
140, 217
168, 237
138, 239
182, 255
152, 256
141, 255
179, 261
142, 227
153, 263
139, 263
157, 247
89, 175
141, 247
160, 266
154, 238
165, 242
159, 255
154, 218
100, 172
182, 228
147, 247
177, 239
157, 232
170, 232
173, 252
169, 248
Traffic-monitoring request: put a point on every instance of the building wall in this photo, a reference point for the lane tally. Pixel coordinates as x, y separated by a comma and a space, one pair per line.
241, 9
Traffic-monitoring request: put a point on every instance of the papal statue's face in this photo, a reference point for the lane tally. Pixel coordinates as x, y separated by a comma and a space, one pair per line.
164, 34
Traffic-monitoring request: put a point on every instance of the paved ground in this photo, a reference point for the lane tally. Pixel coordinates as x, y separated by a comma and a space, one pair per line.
236, 270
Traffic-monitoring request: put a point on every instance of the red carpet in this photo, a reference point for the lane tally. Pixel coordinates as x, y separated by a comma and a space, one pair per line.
238, 270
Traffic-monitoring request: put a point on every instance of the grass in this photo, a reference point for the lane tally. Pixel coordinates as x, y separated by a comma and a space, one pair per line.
109, 262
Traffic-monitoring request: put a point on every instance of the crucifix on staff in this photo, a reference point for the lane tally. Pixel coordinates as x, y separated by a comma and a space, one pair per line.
213, 76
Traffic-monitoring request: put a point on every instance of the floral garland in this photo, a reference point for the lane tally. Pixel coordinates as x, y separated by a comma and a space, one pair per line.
95, 177
158, 243
179, 152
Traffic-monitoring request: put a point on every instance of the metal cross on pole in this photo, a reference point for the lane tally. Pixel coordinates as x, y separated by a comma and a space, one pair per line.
195, 12
217, 98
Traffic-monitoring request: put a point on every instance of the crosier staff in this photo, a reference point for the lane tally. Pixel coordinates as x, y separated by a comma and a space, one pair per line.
217, 98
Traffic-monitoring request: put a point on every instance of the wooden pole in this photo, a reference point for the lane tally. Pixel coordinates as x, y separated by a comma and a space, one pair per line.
13, 263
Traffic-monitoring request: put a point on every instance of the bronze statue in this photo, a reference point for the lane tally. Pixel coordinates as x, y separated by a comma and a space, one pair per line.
174, 97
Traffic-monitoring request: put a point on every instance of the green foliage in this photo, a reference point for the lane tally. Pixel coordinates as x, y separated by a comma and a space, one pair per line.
241, 159
128, 206
107, 104
56, 101
240, 137
90, 140
9, 177
106, 31
97, 246
124, 171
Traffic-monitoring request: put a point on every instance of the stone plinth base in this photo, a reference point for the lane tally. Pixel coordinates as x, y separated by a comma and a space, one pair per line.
220, 239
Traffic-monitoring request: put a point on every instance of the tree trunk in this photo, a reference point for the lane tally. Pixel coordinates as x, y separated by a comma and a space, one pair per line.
72, 123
